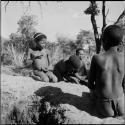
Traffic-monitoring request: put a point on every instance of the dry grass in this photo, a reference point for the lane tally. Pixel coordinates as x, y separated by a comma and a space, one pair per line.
17, 58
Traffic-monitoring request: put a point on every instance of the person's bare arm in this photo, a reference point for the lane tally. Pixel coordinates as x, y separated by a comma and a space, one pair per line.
92, 74
84, 75
29, 58
49, 61
48, 57
85, 69
79, 76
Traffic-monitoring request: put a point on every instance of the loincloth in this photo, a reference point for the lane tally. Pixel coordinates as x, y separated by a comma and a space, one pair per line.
115, 105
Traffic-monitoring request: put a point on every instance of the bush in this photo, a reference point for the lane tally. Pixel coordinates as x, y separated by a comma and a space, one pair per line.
10, 56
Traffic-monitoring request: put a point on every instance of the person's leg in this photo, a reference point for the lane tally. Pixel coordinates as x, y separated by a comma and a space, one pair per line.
34, 76
41, 76
104, 108
52, 77
121, 106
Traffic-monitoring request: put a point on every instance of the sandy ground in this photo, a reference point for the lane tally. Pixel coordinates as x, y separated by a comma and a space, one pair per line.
15, 88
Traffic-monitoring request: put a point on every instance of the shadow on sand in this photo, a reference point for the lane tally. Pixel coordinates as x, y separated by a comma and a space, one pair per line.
55, 96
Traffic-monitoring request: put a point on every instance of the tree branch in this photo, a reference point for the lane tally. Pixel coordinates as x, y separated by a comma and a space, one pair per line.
103, 15
6, 5
107, 12
120, 17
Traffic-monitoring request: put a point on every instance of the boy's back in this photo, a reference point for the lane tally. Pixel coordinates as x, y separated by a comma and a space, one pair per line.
110, 73
107, 73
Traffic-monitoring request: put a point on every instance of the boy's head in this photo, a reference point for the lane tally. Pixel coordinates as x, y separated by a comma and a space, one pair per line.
40, 40
112, 36
80, 53
74, 63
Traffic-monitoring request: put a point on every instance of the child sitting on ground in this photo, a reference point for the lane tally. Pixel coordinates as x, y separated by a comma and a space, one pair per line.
107, 73
67, 70
41, 60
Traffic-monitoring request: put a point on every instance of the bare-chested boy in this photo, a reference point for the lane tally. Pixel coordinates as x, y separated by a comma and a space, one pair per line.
107, 73
41, 60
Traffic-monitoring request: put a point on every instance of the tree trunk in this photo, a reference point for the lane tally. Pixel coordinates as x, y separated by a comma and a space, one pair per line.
103, 16
96, 34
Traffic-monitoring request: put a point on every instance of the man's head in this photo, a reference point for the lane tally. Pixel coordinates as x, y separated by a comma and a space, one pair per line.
80, 53
40, 40
112, 36
74, 63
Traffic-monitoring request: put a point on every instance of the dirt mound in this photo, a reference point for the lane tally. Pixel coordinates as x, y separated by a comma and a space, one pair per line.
27, 101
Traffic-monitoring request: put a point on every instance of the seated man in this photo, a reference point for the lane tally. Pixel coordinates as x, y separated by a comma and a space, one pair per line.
83, 73
107, 73
67, 70
41, 60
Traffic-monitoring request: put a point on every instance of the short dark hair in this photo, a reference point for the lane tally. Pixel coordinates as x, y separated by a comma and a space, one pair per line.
79, 49
39, 36
113, 34
75, 61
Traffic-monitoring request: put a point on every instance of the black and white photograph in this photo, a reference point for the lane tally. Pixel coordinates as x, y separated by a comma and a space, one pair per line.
62, 62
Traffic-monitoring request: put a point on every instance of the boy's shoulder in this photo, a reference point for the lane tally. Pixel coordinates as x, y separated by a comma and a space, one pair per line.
98, 57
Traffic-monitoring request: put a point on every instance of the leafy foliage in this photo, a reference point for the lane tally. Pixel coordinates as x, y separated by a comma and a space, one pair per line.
17, 47
84, 37
67, 45
92, 9
26, 25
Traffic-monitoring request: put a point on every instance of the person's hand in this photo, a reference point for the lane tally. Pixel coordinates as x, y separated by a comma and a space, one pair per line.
83, 78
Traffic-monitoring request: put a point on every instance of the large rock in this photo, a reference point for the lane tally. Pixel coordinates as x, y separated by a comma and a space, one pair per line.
25, 100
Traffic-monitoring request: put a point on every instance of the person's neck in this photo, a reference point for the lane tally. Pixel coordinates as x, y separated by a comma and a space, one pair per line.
114, 49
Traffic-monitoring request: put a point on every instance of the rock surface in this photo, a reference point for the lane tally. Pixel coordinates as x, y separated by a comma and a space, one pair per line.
27, 101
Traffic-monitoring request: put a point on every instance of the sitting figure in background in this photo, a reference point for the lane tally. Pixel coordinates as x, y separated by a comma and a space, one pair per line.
83, 72
107, 73
41, 60
67, 70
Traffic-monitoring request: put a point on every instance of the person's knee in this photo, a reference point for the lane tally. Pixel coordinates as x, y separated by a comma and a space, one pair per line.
45, 79
54, 79
36, 72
